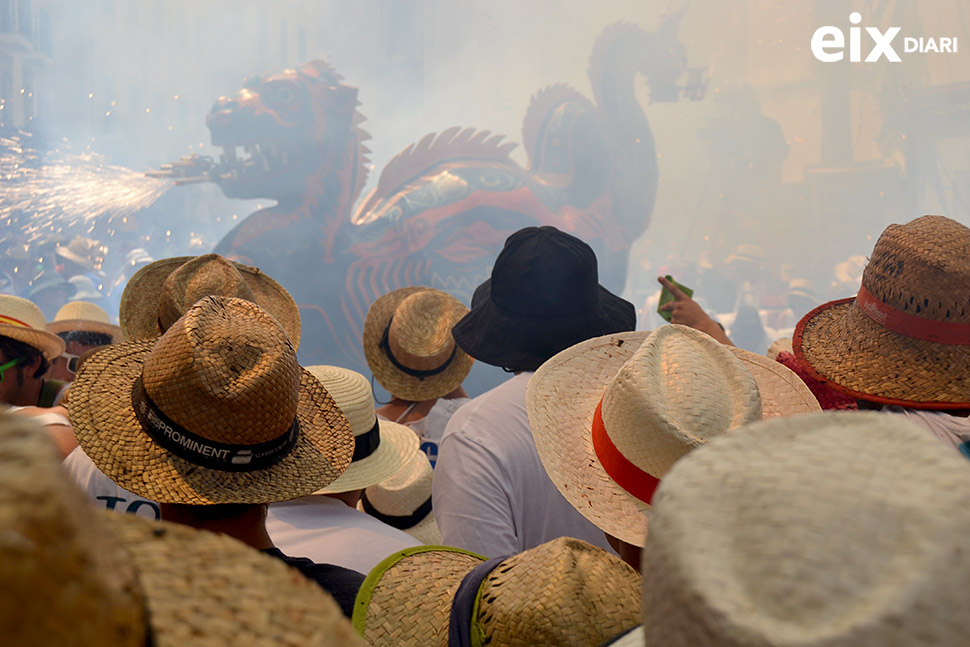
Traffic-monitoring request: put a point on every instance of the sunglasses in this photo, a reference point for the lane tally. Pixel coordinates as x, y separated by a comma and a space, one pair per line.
71, 361
10, 364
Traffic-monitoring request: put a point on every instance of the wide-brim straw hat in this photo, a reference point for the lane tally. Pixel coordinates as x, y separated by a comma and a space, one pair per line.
403, 500
222, 389
409, 346
905, 338
380, 446
83, 251
707, 390
85, 317
543, 296
843, 529
161, 292
564, 592
23, 320
83, 576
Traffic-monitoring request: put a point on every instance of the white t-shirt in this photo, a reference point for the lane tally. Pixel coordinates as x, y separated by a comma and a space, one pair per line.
431, 428
491, 494
328, 531
102, 489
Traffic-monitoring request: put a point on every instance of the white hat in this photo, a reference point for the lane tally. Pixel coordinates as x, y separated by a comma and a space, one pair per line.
840, 529
650, 400
404, 500
23, 321
381, 446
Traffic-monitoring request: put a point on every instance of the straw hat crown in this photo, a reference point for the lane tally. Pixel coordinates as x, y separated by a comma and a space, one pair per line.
922, 268
680, 389
836, 530
352, 393
199, 277
226, 372
81, 311
420, 331
46, 529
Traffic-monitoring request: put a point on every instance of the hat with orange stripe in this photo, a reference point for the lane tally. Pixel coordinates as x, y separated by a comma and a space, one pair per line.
23, 321
904, 339
611, 415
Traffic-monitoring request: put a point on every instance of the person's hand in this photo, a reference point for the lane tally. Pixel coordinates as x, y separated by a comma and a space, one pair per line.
687, 312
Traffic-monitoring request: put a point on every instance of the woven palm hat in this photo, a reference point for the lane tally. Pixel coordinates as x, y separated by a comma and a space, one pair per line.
83, 576
216, 410
85, 317
840, 529
23, 321
611, 415
403, 500
905, 338
564, 592
409, 346
161, 292
83, 251
380, 446
543, 296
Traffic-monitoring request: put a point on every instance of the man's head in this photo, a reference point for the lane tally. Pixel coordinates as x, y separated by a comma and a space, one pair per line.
26, 350
543, 297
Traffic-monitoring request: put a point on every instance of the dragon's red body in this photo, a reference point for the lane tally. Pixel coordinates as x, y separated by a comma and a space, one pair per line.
443, 207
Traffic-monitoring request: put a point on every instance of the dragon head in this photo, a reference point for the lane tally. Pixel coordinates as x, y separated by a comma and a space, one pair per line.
281, 130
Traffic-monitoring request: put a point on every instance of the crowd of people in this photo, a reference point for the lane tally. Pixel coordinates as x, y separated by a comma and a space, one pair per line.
181, 479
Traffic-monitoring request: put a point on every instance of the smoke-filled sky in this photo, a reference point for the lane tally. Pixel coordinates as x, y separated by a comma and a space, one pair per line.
806, 160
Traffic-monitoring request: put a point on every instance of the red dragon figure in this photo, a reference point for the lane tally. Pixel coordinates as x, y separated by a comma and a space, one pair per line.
443, 207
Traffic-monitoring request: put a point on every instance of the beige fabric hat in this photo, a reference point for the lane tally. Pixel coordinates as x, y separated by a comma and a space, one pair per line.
403, 500
564, 592
22, 320
85, 317
842, 529
161, 292
663, 394
216, 410
81, 576
409, 346
380, 446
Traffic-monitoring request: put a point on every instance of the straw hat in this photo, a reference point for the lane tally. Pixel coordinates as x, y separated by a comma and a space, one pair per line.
83, 251
161, 292
403, 500
22, 320
658, 395
80, 576
217, 410
543, 296
844, 529
380, 446
905, 339
85, 317
408, 343
564, 592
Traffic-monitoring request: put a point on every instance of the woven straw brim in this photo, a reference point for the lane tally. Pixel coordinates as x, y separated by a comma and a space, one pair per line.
845, 349
405, 601
108, 431
523, 343
829, 530
86, 325
205, 589
138, 312
562, 397
396, 382
403, 493
426, 531
47, 343
398, 444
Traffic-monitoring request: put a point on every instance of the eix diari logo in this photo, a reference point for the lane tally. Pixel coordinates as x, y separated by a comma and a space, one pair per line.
828, 43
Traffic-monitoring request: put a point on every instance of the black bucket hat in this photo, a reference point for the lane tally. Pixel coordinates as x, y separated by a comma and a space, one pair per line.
543, 296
